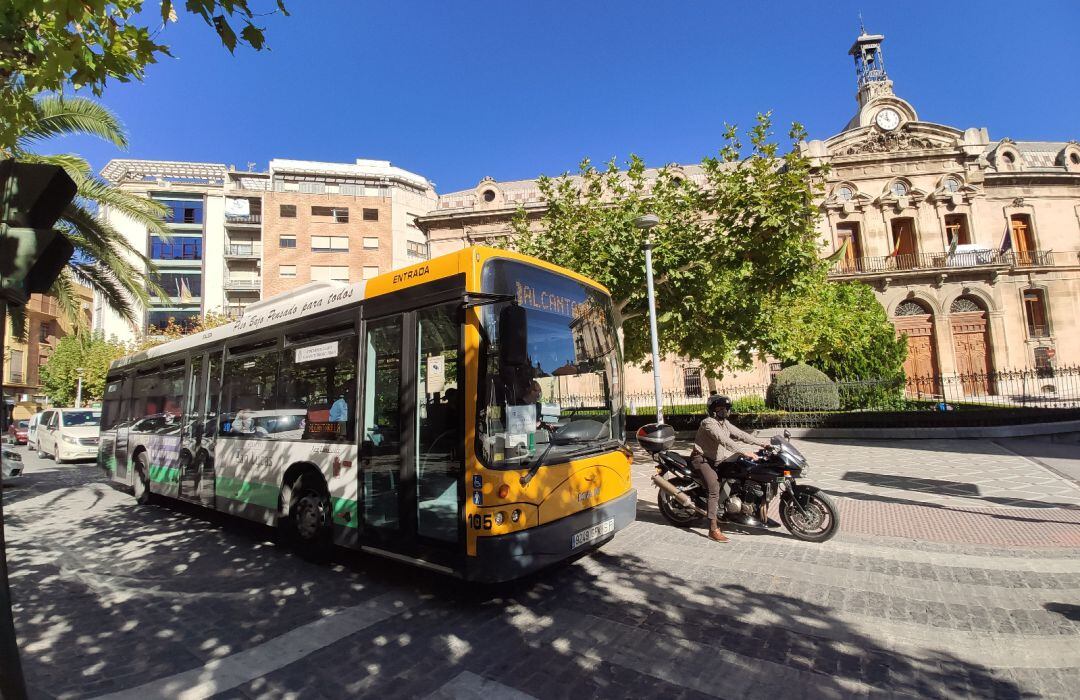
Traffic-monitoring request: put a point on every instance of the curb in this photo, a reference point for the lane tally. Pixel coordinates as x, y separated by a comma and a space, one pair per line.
956, 433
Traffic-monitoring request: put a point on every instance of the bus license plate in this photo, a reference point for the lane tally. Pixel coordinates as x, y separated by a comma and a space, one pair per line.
593, 533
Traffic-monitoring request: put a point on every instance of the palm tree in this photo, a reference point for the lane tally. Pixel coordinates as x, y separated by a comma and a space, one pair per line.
103, 259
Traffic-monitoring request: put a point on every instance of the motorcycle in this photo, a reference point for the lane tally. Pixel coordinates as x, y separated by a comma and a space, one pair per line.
752, 486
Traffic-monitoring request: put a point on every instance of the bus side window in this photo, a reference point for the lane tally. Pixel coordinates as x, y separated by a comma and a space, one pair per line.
318, 397
249, 397
213, 393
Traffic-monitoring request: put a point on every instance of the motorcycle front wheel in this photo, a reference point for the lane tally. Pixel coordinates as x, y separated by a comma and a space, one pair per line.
817, 520
673, 512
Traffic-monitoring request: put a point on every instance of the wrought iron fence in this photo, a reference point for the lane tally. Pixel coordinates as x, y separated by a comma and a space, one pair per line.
1051, 387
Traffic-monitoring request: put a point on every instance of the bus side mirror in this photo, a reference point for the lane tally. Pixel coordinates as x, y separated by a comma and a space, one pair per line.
513, 336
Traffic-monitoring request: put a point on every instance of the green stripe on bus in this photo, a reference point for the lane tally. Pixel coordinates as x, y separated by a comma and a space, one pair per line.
163, 474
254, 492
344, 511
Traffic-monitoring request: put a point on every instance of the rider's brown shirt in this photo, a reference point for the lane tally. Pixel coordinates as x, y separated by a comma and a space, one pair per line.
715, 439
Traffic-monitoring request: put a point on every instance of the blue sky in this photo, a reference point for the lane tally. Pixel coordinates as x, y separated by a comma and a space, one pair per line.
459, 90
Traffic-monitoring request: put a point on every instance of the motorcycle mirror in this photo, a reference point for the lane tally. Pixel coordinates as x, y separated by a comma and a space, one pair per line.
787, 434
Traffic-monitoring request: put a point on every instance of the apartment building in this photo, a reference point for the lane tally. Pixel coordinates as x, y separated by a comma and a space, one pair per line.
24, 357
237, 237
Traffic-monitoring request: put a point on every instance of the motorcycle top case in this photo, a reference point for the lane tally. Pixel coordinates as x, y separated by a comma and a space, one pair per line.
656, 437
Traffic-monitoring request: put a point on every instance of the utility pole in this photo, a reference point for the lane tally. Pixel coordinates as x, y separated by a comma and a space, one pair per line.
647, 223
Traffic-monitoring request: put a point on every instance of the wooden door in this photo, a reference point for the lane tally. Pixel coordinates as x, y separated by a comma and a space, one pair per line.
904, 243
1023, 241
849, 233
972, 352
920, 367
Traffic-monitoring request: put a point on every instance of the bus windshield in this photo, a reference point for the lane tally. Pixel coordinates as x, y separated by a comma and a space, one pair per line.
558, 393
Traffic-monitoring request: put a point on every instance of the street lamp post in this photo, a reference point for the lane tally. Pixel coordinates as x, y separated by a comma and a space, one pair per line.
646, 223
78, 391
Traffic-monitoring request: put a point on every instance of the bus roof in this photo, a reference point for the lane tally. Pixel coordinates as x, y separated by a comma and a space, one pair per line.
318, 297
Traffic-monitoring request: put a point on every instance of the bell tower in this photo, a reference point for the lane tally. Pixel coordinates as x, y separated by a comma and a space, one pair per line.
870, 68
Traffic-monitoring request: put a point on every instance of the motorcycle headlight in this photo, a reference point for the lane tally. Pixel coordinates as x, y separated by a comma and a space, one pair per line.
69, 439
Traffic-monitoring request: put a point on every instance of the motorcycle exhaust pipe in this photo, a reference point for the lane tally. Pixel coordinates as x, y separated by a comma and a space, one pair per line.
678, 495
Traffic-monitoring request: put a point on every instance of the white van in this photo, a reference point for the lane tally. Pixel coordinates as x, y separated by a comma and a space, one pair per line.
69, 433
31, 431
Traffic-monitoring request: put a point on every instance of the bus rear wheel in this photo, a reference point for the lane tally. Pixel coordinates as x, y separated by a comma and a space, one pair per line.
140, 483
306, 528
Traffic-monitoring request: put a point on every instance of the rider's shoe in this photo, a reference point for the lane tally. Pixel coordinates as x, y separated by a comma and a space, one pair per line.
718, 536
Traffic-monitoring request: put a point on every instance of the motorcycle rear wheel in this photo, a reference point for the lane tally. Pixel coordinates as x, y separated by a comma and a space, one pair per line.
820, 521
677, 515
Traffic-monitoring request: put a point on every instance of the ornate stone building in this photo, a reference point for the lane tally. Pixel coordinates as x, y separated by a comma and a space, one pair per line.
972, 245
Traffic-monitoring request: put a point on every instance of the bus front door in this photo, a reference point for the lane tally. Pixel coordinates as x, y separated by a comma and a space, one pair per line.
412, 443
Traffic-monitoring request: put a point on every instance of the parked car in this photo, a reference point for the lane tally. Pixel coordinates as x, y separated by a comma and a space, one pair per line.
69, 433
17, 431
31, 431
12, 464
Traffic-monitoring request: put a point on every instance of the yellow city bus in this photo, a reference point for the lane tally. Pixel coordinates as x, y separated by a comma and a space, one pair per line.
432, 414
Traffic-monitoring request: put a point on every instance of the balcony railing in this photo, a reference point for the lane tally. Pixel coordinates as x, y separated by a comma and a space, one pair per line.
243, 250
245, 219
234, 312
943, 261
1036, 330
243, 282
16, 377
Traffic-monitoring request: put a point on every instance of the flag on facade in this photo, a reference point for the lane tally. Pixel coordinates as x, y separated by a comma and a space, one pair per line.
953, 241
896, 248
1006, 242
184, 291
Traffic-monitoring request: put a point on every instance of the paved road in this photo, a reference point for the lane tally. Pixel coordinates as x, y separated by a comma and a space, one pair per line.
165, 602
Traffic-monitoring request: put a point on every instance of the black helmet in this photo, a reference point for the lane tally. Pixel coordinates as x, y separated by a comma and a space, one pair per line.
716, 402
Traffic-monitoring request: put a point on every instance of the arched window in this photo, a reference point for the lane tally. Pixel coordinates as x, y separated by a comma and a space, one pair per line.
489, 195
963, 305
952, 184
845, 193
899, 188
910, 307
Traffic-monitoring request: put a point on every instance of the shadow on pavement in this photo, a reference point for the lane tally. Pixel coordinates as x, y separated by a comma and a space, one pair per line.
110, 596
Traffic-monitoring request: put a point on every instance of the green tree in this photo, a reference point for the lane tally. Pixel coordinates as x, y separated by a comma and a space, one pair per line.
47, 45
728, 250
839, 328
91, 352
104, 259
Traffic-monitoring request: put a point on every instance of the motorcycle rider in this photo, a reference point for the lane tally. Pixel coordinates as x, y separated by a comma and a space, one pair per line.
715, 443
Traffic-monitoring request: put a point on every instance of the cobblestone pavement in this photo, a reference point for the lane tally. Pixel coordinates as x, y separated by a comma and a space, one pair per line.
173, 602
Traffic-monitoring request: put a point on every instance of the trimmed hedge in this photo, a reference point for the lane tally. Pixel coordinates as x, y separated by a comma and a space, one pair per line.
803, 388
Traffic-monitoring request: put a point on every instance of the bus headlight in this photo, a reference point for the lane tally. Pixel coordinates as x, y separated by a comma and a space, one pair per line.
500, 517
515, 515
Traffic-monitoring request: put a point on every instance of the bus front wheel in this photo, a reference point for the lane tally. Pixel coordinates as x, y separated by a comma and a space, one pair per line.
306, 527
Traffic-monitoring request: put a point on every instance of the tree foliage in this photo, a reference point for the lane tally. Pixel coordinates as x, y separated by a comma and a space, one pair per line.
738, 276
105, 260
731, 244
46, 45
840, 328
174, 331
91, 352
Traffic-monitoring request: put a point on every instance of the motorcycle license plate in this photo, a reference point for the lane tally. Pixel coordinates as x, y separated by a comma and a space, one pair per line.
592, 533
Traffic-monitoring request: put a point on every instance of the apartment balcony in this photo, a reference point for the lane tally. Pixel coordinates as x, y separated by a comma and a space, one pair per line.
1037, 330
923, 263
234, 312
244, 221
243, 251
239, 284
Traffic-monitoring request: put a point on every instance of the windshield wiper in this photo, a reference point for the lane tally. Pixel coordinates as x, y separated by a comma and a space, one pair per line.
528, 476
